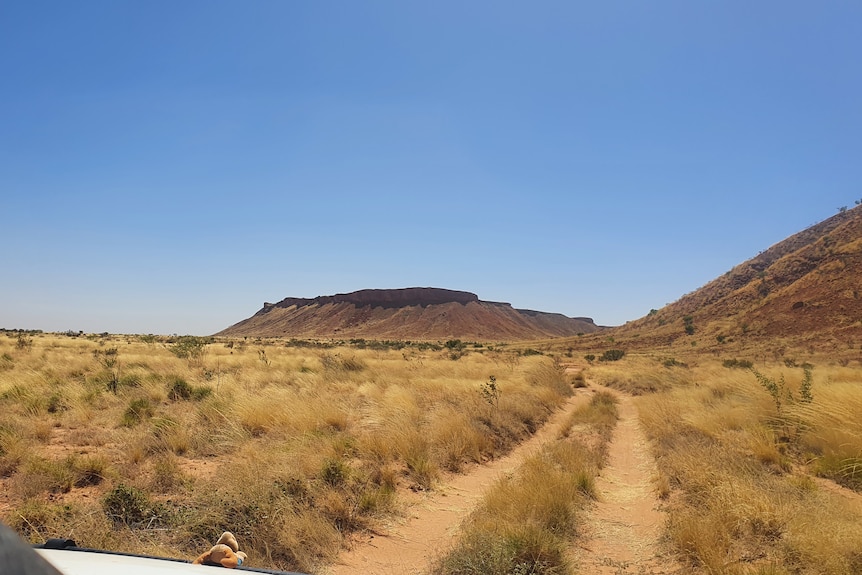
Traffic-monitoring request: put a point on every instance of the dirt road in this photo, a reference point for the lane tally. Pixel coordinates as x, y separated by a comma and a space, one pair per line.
623, 528
434, 518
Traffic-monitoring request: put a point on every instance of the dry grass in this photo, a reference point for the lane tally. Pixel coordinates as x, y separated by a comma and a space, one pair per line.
290, 447
293, 448
737, 470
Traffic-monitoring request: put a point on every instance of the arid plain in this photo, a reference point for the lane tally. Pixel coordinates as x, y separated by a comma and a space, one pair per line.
717, 435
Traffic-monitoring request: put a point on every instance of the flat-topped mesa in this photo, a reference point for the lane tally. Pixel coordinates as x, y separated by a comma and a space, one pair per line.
385, 298
407, 313
534, 313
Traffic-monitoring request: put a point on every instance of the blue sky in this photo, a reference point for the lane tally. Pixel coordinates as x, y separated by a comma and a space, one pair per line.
165, 167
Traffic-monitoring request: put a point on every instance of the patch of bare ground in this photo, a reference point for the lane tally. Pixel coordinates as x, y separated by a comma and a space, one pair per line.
431, 520
853, 498
623, 529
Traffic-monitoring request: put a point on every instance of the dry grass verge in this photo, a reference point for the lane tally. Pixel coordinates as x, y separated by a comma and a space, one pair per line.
735, 454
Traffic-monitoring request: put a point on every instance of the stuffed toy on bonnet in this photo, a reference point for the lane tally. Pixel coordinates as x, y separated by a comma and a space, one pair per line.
225, 553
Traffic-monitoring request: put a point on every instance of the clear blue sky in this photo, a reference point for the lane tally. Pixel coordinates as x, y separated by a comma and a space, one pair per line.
166, 167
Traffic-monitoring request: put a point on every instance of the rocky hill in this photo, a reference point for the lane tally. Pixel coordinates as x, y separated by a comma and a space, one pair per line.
409, 313
804, 290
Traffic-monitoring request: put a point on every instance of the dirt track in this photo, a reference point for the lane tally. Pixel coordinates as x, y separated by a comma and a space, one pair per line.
623, 527
433, 518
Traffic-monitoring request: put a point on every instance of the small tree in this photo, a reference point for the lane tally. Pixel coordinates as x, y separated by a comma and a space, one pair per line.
490, 392
775, 387
190, 347
24, 343
109, 359
805, 387
688, 323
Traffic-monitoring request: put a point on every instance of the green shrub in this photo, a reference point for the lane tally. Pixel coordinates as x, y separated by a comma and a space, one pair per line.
777, 389
190, 347
178, 389
455, 344
612, 355
137, 410
130, 506
490, 392
334, 472
24, 343
181, 390
688, 324
737, 363
805, 387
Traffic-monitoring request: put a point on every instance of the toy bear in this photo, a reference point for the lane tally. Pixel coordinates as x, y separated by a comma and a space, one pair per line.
225, 553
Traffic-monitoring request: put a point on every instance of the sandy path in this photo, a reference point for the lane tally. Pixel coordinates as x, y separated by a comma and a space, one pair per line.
432, 519
624, 527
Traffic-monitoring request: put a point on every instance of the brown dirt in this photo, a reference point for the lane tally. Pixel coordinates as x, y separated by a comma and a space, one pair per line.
432, 520
624, 528
853, 498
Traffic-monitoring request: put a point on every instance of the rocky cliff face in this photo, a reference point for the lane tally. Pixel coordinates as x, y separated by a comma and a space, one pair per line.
409, 313
385, 298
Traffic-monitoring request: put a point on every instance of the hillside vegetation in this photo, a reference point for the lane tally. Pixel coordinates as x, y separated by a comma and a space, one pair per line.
802, 295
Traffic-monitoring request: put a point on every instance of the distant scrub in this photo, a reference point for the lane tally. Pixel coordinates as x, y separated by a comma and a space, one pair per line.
190, 347
335, 362
737, 363
180, 389
612, 355
688, 324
